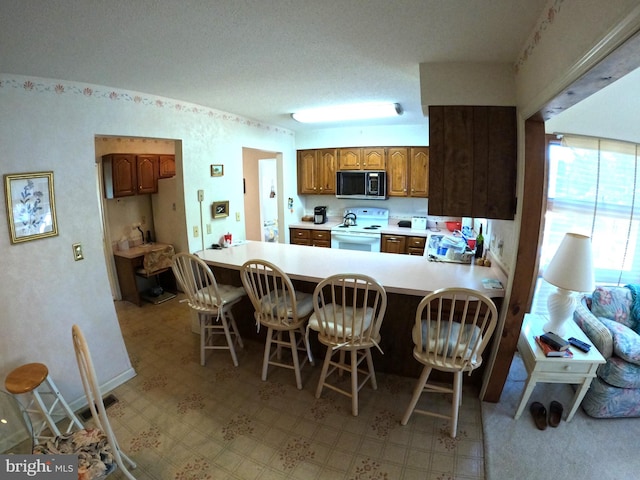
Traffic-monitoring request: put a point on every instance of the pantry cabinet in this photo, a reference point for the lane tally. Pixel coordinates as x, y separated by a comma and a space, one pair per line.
472, 164
317, 171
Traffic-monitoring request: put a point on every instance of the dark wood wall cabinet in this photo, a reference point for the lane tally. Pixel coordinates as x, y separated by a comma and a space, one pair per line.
127, 174
402, 244
407, 168
473, 161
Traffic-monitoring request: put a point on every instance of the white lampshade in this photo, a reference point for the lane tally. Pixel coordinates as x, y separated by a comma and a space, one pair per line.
571, 270
571, 267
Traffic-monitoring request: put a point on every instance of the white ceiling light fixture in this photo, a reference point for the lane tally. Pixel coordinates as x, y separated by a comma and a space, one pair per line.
361, 111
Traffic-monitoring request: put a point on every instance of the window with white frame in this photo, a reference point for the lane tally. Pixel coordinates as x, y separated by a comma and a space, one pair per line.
592, 189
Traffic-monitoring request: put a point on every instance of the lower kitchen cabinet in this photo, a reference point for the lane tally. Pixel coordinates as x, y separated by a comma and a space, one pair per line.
402, 244
310, 237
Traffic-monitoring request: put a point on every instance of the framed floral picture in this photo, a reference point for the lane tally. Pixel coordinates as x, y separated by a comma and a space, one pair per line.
31, 208
220, 209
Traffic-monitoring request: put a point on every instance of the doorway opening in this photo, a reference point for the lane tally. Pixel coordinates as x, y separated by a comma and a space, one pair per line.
263, 208
123, 218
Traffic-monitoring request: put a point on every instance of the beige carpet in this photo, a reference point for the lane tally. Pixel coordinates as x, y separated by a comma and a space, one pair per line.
585, 448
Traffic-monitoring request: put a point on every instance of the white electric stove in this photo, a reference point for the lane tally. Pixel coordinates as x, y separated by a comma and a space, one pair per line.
366, 234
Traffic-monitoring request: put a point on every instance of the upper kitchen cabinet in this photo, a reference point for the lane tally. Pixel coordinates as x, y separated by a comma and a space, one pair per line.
128, 174
167, 166
408, 172
361, 158
146, 169
317, 171
472, 164
120, 175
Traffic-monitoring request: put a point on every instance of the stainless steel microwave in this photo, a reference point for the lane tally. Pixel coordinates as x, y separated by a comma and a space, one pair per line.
361, 184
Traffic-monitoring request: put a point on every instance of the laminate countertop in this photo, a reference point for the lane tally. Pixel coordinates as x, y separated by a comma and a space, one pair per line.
402, 274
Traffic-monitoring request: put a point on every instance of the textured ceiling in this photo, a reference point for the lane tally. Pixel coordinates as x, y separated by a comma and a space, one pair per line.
261, 59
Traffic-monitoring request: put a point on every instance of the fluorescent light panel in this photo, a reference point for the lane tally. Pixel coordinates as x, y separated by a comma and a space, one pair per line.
362, 111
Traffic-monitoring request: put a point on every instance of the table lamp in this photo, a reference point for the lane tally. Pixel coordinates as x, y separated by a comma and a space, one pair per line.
570, 270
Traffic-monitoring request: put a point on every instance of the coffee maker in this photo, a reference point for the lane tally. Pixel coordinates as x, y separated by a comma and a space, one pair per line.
319, 215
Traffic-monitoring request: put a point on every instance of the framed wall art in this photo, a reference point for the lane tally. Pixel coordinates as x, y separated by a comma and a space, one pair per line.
217, 170
220, 209
31, 208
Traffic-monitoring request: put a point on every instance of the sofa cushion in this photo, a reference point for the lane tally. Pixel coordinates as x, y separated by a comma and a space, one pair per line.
613, 303
620, 373
626, 342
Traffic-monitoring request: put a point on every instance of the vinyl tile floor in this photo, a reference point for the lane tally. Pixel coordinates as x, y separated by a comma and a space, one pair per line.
179, 420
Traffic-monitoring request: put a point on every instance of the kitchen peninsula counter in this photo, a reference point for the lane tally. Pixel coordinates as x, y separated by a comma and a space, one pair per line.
401, 274
406, 278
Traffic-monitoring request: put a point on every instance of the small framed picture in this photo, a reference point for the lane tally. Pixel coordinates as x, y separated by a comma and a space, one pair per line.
217, 170
30, 206
220, 209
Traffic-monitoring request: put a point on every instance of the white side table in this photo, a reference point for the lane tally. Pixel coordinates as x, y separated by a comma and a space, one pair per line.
580, 369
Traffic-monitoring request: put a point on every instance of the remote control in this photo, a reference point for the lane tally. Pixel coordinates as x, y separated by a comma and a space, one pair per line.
579, 344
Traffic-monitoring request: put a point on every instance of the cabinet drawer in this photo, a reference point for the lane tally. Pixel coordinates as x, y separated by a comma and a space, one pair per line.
300, 234
321, 234
566, 366
416, 242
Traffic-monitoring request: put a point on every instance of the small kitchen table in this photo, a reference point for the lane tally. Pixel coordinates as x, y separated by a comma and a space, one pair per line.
127, 262
580, 369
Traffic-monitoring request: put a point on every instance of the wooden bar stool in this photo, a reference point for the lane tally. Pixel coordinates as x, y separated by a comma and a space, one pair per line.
34, 379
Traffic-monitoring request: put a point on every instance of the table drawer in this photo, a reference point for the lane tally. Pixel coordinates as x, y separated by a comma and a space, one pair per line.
565, 366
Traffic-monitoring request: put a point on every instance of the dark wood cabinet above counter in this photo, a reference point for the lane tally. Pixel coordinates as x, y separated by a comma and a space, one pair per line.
127, 174
473, 161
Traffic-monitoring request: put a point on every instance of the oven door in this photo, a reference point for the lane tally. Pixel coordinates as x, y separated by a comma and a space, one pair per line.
364, 242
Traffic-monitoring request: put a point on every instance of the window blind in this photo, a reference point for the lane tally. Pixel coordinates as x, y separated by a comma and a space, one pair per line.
593, 189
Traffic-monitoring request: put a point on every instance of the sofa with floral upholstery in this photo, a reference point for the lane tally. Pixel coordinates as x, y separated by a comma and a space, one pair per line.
610, 317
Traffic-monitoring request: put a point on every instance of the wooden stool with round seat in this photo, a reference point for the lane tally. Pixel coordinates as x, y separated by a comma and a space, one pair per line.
34, 379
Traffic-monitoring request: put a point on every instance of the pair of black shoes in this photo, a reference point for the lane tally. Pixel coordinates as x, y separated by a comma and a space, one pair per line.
539, 414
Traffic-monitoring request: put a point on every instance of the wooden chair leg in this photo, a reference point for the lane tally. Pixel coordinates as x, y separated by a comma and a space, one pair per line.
455, 402
422, 381
323, 373
267, 353
230, 342
372, 372
296, 360
354, 382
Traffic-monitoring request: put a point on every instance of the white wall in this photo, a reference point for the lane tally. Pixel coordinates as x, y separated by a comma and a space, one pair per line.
51, 125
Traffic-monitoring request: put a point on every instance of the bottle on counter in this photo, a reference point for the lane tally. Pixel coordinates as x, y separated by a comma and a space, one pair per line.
479, 244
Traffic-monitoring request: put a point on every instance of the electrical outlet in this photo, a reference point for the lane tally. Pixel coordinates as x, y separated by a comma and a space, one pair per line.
196, 231
208, 229
237, 216
200, 195
77, 252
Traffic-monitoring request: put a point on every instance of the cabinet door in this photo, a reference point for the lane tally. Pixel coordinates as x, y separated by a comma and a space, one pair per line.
349, 158
167, 166
321, 238
373, 158
123, 174
415, 245
419, 172
472, 164
393, 244
146, 167
307, 182
300, 236
326, 167
397, 172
